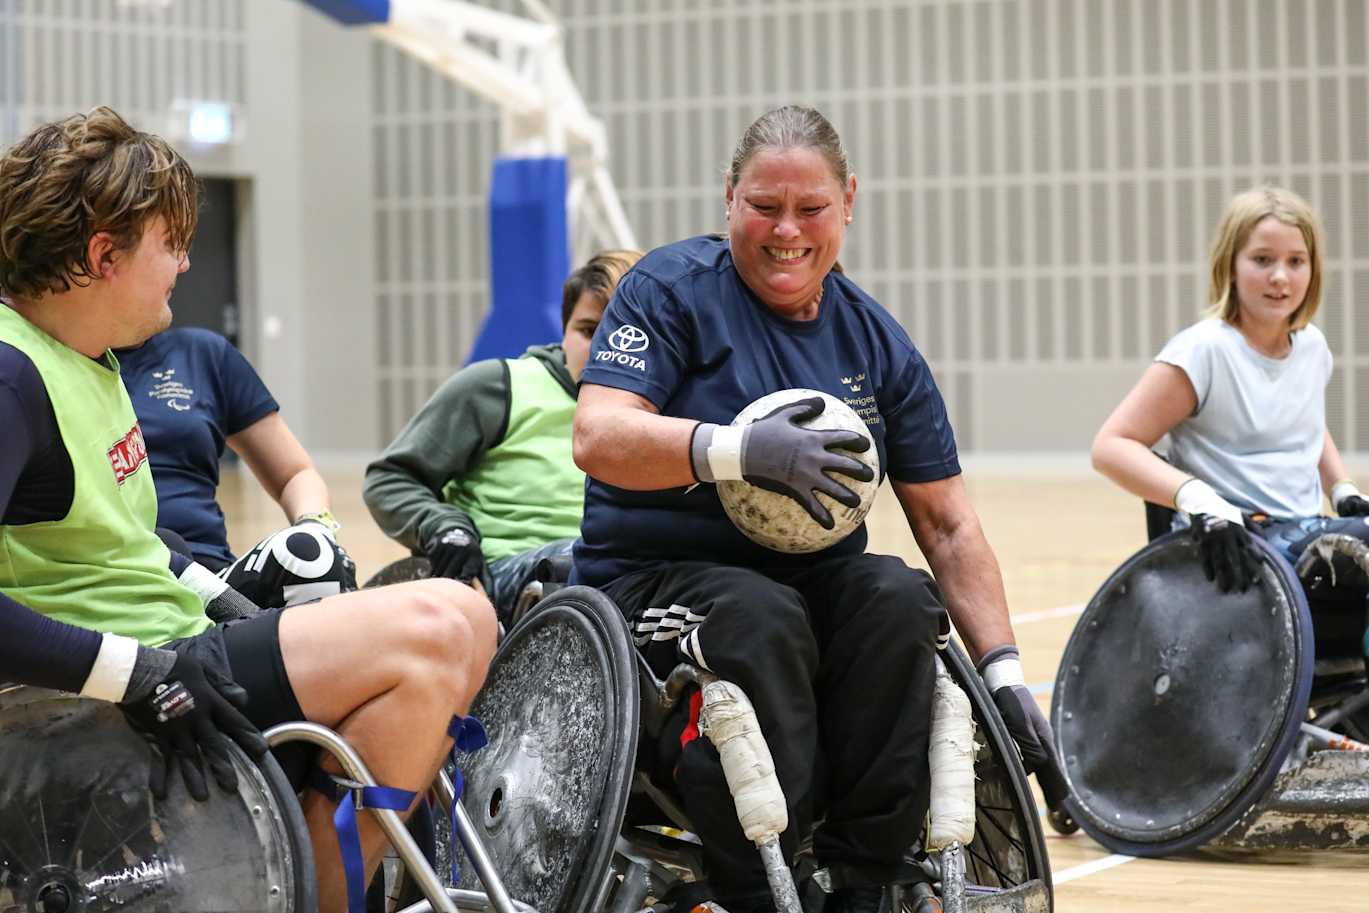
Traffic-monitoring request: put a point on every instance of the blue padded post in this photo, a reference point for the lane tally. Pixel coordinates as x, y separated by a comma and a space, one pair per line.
529, 256
354, 12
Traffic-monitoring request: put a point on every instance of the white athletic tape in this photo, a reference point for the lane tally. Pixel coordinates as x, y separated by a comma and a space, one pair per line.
1197, 497
951, 760
203, 582
725, 453
108, 678
729, 721
1341, 491
1003, 672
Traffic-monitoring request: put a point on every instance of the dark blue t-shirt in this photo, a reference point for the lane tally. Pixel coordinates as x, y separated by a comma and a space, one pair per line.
191, 391
684, 331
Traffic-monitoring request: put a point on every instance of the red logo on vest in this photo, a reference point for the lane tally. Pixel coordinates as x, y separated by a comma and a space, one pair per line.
126, 456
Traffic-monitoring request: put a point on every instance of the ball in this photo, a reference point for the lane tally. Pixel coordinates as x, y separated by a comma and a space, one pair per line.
778, 521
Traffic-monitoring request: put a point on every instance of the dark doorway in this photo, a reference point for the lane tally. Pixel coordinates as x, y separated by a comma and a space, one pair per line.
207, 295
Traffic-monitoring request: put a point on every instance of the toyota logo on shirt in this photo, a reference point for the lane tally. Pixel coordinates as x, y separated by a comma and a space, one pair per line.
628, 338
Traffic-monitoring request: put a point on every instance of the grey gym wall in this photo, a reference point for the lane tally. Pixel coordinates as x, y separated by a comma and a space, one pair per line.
1038, 178
302, 166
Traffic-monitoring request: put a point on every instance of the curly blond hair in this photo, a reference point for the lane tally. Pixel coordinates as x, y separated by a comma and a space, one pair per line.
68, 180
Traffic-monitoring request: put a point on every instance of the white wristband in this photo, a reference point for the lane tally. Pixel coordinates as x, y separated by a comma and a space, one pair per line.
108, 678
1343, 490
203, 582
725, 452
1197, 497
1004, 671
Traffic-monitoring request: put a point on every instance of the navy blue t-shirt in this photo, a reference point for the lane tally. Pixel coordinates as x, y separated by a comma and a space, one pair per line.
684, 331
191, 391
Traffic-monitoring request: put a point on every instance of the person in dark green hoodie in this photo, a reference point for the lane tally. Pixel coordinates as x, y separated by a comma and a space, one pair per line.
481, 480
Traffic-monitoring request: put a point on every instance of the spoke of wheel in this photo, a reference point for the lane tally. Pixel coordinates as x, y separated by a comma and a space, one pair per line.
1007, 834
1003, 880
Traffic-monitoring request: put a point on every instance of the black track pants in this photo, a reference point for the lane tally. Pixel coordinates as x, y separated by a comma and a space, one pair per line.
837, 659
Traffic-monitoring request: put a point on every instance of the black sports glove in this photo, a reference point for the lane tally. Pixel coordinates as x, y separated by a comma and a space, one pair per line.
1353, 506
347, 579
1001, 669
779, 454
187, 713
455, 553
1229, 557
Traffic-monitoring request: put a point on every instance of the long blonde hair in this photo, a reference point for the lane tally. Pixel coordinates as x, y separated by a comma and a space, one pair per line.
1242, 214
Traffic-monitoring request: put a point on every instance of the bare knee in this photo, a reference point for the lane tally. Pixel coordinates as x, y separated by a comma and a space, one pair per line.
449, 630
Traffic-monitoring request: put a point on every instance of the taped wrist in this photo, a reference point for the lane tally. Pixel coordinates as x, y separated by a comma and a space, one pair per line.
203, 582
715, 452
150, 668
110, 675
1197, 497
1001, 667
1342, 490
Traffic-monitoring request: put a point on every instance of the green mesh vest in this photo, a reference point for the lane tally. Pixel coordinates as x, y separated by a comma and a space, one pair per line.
101, 566
527, 490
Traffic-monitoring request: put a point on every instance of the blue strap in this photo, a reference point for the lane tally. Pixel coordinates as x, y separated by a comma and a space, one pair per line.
349, 838
468, 735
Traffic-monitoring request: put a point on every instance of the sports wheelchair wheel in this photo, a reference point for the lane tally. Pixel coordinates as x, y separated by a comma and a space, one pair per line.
80, 832
549, 792
415, 567
1175, 704
1009, 848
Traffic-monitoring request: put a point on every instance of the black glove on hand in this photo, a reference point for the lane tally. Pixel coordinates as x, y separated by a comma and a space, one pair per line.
347, 579
455, 553
187, 713
1353, 506
779, 454
1001, 669
1229, 557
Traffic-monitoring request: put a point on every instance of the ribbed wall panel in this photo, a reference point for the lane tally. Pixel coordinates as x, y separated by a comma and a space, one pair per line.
1039, 179
64, 56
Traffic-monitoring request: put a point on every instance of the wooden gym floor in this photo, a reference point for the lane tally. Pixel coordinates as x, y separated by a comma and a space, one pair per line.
1058, 533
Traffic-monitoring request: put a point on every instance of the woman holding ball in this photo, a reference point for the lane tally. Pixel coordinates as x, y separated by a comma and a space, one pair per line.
834, 647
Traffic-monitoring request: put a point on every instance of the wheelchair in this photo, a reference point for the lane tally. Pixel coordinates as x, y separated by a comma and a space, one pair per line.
560, 802
1188, 717
79, 830
554, 802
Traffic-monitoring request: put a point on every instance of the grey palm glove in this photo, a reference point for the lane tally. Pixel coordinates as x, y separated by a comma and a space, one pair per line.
221, 602
186, 711
777, 453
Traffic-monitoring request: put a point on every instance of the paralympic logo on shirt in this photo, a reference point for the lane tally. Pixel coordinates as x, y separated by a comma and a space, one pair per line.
626, 340
128, 454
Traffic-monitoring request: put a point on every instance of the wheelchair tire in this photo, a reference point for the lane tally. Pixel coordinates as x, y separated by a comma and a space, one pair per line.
80, 831
415, 567
1009, 847
549, 792
1175, 705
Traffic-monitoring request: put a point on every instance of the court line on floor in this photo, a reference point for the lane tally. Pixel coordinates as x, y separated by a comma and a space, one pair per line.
1107, 862
1046, 614
1090, 868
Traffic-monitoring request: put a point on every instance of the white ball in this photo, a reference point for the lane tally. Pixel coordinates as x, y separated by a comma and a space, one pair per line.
778, 521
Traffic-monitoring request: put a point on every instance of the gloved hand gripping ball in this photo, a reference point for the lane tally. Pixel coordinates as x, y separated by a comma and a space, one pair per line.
805, 470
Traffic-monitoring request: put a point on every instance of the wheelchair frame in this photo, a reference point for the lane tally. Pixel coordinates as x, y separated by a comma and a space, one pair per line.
649, 863
642, 864
1319, 797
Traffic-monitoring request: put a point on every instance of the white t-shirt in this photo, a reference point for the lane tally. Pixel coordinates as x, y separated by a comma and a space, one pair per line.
1257, 433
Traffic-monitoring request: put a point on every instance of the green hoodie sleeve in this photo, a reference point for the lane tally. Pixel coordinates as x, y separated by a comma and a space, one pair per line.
467, 416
